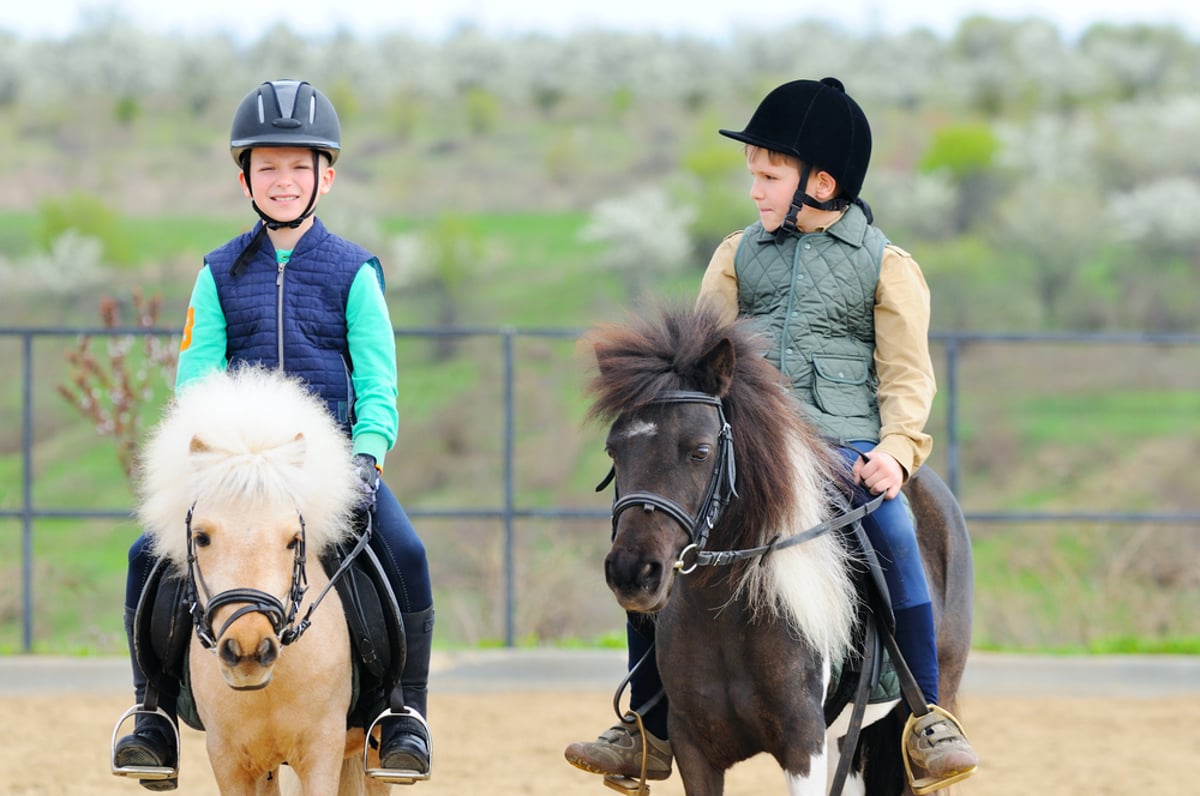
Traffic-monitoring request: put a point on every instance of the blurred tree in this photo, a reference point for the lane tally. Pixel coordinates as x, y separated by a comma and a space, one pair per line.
482, 111
964, 126
966, 152
127, 110
90, 216
645, 234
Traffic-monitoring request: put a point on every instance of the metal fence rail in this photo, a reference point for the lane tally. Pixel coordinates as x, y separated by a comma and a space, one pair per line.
953, 346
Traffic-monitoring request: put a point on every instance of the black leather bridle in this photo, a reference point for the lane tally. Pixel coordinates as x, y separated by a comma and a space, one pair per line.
721, 489
721, 483
282, 619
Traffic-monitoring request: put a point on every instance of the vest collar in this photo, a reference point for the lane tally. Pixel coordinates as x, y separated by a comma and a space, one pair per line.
851, 228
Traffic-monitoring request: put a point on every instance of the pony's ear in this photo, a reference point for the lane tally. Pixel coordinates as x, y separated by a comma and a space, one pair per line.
716, 368
296, 449
602, 359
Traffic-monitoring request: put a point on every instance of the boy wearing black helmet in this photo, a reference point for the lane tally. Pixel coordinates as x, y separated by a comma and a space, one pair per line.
292, 295
847, 317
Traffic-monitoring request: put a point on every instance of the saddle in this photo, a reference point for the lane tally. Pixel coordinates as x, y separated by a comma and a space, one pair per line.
162, 633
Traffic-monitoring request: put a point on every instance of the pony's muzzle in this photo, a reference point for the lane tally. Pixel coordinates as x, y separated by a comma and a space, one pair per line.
636, 581
247, 658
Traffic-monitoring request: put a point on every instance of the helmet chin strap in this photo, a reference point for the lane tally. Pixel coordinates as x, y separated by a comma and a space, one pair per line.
270, 223
800, 199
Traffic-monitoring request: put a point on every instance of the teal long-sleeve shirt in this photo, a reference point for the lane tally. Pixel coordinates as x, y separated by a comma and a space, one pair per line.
369, 335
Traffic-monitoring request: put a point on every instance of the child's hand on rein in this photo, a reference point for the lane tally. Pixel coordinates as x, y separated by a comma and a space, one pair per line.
879, 473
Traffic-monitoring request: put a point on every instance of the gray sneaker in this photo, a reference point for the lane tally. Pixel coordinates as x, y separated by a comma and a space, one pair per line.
618, 752
937, 746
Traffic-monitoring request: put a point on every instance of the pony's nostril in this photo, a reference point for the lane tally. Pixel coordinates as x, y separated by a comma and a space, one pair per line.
267, 652
231, 652
650, 576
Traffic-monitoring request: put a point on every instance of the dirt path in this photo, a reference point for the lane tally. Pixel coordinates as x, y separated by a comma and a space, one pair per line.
1056, 726
511, 743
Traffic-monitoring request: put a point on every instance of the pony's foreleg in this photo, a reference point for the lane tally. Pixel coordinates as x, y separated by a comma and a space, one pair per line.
700, 777
854, 784
320, 768
234, 774
811, 784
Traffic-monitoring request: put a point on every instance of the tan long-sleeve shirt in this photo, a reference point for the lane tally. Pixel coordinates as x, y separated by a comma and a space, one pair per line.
906, 380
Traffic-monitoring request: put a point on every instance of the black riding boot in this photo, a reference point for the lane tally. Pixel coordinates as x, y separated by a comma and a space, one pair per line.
153, 741
405, 742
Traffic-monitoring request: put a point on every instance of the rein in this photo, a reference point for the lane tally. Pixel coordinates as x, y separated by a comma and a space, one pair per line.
721, 489
283, 620
718, 558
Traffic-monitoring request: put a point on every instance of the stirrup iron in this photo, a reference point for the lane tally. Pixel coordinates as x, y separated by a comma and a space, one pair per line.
628, 785
144, 772
397, 776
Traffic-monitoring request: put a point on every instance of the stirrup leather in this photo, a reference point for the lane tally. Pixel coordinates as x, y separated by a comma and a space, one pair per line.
627, 785
143, 772
397, 776
925, 785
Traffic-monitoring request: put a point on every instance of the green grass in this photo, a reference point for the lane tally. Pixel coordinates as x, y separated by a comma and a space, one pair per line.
1121, 416
165, 238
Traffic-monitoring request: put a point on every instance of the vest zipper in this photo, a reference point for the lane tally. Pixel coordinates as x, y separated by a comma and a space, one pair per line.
279, 312
784, 334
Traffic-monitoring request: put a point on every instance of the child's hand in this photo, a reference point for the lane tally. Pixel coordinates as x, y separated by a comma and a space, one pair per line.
880, 472
368, 481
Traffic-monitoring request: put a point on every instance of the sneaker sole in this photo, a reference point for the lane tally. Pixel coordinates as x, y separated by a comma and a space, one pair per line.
584, 765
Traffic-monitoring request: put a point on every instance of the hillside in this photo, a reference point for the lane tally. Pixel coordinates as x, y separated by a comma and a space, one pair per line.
496, 178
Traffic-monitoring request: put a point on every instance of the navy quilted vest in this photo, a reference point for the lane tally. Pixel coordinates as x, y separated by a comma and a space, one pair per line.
293, 317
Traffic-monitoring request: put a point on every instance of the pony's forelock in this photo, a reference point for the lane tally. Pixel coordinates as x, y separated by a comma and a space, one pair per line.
245, 439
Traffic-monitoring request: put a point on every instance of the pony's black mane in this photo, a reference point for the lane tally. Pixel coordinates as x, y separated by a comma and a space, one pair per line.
639, 361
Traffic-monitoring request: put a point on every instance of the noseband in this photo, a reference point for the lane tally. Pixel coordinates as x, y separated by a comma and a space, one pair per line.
721, 483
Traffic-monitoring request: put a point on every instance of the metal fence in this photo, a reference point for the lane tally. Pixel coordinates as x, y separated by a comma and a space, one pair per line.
950, 351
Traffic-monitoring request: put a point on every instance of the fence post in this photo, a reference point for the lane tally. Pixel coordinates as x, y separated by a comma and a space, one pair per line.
507, 335
27, 492
952, 415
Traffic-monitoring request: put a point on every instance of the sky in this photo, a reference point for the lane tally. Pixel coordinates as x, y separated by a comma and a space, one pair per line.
248, 19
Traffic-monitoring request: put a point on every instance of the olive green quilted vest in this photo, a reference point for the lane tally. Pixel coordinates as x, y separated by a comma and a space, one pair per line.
813, 297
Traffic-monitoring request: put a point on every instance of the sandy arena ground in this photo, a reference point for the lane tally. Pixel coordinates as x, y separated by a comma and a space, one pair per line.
510, 742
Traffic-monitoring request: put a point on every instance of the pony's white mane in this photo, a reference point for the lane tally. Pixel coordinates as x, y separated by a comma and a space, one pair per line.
808, 583
248, 439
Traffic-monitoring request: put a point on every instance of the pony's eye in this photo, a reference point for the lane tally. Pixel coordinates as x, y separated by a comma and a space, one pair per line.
292, 544
608, 451
701, 453
201, 538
